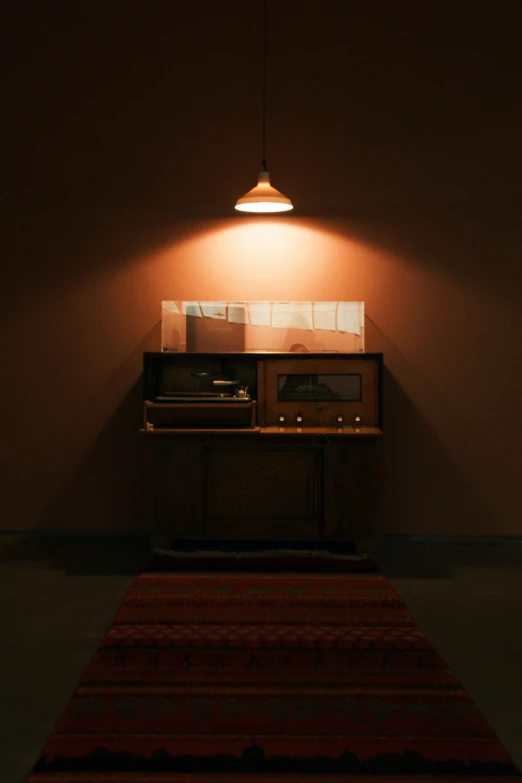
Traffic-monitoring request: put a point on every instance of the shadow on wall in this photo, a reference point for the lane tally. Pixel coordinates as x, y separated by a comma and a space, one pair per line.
101, 246
430, 558
424, 486
90, 554
104, 489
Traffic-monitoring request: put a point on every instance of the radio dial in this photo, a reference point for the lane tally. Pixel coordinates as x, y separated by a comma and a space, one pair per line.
299, 418
282, 419
340, 419
357, 418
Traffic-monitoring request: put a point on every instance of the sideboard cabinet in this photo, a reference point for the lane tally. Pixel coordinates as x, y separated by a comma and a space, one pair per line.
262, 446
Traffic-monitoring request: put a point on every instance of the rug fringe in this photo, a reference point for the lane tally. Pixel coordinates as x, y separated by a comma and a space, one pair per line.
261, 553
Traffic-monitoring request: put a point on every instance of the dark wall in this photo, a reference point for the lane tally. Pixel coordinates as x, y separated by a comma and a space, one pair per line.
133, 128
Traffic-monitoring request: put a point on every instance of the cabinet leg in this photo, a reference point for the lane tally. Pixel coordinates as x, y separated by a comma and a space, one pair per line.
367, 546
160, 541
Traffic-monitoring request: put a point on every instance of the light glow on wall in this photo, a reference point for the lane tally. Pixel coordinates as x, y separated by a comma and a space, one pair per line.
264, 258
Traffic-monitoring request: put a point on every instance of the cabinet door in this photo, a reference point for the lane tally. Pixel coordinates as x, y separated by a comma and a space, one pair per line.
263, 490
174, 484
352, 487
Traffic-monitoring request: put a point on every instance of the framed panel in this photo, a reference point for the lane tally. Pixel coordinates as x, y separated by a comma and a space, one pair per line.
264, 491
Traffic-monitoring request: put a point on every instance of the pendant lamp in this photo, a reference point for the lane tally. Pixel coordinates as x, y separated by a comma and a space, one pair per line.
264, 198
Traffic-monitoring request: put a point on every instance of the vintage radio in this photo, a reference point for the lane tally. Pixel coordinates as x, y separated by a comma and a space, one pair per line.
268, 393
336, 392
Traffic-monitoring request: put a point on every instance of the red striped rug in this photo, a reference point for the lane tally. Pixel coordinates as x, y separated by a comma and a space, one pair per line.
222, 669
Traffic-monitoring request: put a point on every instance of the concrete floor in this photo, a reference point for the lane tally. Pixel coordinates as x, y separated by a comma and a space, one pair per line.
58, 595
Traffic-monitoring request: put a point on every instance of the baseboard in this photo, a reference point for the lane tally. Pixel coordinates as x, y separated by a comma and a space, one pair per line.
76, 533
323, 543
256, 545
446, 539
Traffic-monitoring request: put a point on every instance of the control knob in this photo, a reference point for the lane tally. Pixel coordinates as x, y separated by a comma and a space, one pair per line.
299, 418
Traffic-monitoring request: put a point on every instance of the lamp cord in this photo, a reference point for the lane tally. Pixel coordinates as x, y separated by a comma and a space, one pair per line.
264, 85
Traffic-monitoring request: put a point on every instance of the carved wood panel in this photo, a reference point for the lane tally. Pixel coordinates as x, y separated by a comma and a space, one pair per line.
352, 487
263, 484
174, 486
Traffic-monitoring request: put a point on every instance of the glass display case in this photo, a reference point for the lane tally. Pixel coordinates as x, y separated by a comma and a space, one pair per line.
294, 327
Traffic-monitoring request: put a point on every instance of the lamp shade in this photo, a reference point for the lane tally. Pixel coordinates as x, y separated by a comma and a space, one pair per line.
263, 198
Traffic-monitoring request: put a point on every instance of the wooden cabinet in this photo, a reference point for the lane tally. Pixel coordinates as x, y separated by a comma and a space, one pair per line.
206, 479
255, 487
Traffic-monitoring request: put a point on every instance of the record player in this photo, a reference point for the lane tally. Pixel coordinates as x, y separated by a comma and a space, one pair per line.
200, 399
